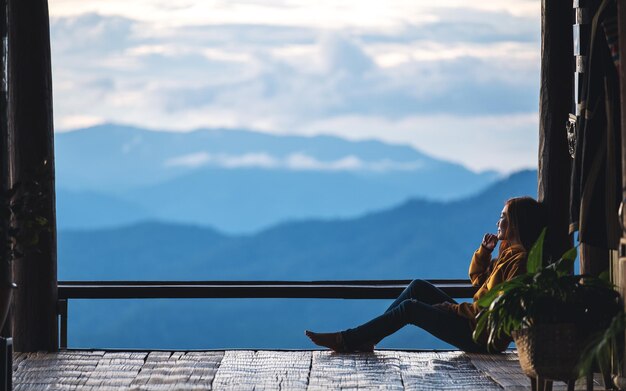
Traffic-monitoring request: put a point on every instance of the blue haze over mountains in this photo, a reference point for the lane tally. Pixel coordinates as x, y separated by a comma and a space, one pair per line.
417, 238
406, 230
111, 175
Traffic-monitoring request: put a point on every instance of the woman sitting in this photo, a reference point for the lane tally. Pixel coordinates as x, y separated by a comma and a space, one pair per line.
426, 306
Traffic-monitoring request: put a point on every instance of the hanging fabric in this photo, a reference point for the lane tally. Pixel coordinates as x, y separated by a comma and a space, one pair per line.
596, 174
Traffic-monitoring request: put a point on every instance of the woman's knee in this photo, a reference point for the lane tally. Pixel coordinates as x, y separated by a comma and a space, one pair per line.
416, 286
418, 283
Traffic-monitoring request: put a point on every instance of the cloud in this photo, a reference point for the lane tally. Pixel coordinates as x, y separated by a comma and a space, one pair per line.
504, 142
463, 23
340, 54
336, 73
97, 34
194, 160
70, 122
372, 69
297, 161
389, 15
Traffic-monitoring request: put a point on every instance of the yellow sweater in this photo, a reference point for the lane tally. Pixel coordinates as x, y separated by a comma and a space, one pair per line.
486, 274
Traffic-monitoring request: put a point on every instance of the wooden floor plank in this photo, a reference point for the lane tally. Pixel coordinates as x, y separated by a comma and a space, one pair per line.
442, 370
180, 370
116, 369
379, 370
60, 371
263, 369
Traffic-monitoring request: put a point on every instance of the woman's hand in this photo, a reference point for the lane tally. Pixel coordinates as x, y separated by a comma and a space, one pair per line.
489, 242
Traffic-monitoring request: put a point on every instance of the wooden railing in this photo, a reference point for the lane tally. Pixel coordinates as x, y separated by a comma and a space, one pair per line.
352, 289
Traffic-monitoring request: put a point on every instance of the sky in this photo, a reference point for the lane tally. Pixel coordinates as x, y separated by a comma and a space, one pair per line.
455, 79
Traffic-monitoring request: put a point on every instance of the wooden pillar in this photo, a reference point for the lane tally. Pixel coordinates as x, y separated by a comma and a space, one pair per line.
6, 274
621, 26
30, 123
619, 278
554, 105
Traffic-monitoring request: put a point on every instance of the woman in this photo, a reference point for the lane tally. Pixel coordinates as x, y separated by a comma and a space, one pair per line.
426, 306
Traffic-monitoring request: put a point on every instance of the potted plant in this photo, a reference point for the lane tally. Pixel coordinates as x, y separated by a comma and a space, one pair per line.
550, 313
23, 221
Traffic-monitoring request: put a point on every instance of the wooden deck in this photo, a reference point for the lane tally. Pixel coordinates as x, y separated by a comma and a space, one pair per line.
264, 369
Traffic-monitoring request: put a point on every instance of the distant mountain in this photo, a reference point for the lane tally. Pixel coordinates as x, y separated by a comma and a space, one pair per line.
414, 238
385, 244
239, 181
79, 209
417, 239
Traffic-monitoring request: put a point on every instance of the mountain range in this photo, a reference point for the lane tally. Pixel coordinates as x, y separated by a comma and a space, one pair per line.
239, 181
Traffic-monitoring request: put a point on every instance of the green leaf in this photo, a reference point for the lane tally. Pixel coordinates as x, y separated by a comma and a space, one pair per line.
496, 291
480, 325
488, 297
570, 255
565, 265
535, 256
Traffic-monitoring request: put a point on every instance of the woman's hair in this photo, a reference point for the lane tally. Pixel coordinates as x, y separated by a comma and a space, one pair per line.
526, 221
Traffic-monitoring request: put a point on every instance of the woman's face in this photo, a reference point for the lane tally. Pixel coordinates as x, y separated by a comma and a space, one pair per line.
503, 224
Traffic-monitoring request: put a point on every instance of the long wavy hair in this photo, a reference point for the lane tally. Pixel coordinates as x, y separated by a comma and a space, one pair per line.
526, 221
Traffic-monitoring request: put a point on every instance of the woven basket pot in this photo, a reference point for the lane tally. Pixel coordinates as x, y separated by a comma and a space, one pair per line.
549, 351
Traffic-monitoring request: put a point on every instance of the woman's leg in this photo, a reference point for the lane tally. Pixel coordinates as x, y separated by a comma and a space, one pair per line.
445, 325
422, 291
418, 290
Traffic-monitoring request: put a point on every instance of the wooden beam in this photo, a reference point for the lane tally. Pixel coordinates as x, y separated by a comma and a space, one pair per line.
554, 105
251, 289
30, 123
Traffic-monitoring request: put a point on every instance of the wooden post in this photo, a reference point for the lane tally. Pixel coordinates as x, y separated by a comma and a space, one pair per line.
554, 105
30, 123
620, 277
6, 274
621, 27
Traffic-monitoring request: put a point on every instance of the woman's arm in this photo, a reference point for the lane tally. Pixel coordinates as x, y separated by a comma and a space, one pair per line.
479, 267
515, 267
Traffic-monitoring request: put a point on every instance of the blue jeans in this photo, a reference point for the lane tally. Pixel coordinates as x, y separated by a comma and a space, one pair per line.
415, 306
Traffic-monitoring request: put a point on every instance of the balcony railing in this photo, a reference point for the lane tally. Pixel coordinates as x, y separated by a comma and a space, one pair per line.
352, 289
